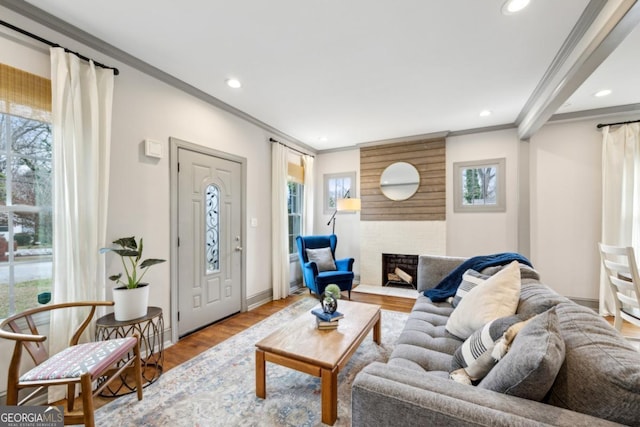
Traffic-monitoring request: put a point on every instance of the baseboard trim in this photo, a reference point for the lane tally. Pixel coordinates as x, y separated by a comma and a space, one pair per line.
593, 304
259, 299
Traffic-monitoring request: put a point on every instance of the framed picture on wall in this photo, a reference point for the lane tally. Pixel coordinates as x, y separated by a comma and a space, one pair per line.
479, 186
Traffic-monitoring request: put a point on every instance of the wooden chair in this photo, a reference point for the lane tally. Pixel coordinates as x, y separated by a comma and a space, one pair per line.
77, 364
622, 274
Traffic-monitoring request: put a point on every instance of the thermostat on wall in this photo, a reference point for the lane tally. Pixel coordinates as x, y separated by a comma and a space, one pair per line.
153, 148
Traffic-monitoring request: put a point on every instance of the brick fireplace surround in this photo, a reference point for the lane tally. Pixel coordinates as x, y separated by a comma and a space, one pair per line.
396, 237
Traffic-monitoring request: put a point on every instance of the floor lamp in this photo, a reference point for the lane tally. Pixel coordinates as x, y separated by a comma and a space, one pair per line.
347, 204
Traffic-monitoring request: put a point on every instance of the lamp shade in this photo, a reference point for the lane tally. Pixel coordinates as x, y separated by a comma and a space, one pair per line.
348, 205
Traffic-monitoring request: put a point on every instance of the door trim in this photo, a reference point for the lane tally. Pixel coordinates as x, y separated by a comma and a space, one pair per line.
174, 145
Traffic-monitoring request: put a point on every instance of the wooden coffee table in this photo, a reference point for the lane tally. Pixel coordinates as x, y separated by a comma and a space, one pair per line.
301, 346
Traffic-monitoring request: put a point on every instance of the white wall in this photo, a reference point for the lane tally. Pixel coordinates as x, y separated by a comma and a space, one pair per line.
472, 233
566, 206
347, 224
139, 198
139, 186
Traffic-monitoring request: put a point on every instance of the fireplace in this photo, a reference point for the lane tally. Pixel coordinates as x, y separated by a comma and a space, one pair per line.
396, 237
399, 270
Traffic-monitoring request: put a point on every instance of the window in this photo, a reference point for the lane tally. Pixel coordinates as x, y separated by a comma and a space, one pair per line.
479, 186
294, 209
26, 233
336, 186
212, 225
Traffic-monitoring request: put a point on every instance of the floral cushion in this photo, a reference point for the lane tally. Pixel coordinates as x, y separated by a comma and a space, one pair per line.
72, 362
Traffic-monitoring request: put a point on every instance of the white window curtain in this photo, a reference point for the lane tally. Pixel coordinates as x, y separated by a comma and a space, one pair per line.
309, 186
620, 196
82, 97
280, 229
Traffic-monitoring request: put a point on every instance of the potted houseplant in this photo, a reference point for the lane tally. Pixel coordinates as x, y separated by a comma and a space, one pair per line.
132, 296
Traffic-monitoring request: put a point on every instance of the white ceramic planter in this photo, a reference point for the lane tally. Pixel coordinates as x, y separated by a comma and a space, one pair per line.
130, 303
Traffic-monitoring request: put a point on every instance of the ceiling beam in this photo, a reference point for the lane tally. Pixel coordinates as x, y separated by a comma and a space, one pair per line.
598, 32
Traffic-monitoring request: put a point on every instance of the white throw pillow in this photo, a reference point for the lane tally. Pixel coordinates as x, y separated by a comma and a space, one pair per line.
497, 297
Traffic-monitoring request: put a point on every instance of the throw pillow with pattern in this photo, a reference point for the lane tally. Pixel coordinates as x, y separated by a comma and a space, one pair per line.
470, 279
475, 356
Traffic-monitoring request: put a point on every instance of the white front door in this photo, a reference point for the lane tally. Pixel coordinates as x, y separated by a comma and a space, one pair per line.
210, 243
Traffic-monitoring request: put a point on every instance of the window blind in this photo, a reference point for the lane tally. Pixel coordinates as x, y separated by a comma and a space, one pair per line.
24, 94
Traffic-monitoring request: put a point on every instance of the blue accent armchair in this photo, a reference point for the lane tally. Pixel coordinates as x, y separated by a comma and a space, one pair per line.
317, 280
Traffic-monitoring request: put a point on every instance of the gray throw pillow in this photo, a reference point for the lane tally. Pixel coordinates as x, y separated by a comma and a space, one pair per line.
530, 367
322, 257
470, 279
600, 375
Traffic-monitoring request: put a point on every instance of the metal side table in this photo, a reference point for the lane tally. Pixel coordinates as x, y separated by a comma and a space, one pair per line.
150, 329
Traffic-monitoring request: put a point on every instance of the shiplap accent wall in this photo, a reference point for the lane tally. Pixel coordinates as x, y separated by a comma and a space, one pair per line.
429, 201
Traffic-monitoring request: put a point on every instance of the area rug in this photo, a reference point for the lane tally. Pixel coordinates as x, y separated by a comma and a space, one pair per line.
217, 387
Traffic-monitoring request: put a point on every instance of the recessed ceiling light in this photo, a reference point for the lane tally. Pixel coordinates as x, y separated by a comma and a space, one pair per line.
514, 6
485, 113
323, 139
602, 93
234, 83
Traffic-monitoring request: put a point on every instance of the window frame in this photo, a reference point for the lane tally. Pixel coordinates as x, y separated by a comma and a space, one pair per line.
212, 227
458, 186
25, 95
326, 196
300, 214
11, 209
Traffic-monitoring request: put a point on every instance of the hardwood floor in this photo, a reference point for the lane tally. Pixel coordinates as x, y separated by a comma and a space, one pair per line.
203, 339
194, 344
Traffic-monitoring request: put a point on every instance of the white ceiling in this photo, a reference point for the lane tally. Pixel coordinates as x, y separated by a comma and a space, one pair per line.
619, 73
358, 70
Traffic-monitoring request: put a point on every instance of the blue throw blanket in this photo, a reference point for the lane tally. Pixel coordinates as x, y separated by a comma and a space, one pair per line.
449, 285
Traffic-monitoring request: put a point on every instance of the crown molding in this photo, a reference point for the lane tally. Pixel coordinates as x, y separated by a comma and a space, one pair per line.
412, 138
56, 24
618, 110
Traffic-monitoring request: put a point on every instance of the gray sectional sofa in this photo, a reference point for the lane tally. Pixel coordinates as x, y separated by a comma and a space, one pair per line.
598, 382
